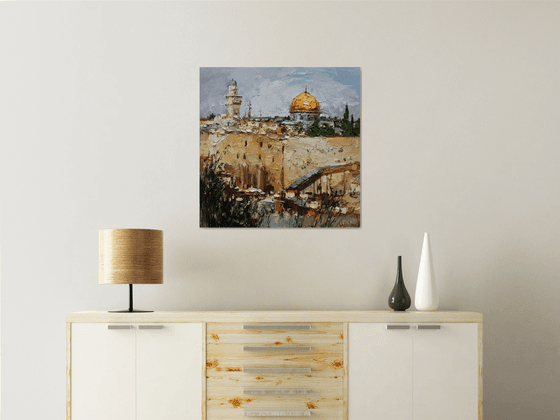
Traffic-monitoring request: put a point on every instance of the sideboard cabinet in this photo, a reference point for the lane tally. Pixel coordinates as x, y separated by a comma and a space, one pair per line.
272, 364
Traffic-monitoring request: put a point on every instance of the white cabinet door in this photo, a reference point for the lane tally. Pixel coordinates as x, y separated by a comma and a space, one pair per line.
103, 371
169, 371
379, 372
445, 372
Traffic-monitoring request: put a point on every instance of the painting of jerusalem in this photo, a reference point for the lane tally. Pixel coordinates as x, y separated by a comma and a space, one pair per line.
280, 147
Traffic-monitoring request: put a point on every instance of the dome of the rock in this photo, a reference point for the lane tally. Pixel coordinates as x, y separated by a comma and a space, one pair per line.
305, 102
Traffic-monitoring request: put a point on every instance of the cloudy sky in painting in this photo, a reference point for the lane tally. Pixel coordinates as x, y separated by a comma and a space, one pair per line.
271, 90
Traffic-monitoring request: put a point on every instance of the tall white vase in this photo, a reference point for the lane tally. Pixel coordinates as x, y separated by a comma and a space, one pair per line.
426, 298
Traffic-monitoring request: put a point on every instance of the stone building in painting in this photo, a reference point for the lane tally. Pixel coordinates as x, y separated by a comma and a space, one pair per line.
305, 108
233, 105
233, 101
273, 158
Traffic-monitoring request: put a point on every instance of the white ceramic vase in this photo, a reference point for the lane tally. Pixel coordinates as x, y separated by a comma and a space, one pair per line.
426, 298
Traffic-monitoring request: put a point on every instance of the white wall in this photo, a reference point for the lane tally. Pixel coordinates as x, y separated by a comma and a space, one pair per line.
460, 138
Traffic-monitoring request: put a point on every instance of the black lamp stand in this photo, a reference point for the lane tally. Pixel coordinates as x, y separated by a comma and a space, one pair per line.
130, 308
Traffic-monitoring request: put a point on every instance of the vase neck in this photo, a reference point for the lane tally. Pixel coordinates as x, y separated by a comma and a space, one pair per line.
399, 270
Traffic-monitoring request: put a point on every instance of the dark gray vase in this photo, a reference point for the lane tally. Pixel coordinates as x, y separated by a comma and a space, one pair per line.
399, 299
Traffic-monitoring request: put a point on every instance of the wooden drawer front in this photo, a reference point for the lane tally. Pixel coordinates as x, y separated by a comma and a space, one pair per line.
275, 371
232, 402
318, 333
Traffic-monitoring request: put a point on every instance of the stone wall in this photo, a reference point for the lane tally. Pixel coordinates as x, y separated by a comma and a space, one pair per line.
269, 160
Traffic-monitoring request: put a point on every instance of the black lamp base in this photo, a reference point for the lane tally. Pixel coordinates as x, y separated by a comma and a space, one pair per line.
122, 311
130, 308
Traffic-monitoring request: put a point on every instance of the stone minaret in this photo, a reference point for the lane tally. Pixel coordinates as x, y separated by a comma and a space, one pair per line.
233, 101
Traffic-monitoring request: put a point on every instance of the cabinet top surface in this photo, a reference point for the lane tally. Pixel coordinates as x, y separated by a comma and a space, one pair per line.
276, 316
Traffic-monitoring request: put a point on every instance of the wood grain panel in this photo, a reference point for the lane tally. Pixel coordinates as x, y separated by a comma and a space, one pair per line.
68, 371
480, 372
319, 328
204, 389
345, 367
312, 380
237, 413
226, 358
276, 316
318, 363
253, 402
280, 338
237, 351
226, 378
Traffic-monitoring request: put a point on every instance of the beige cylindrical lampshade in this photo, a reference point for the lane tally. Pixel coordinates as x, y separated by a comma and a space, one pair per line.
130, 256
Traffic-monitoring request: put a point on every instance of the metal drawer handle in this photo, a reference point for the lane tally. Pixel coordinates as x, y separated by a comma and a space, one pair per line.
276, 327
150, 327
398, 327
429, 327
119, 327
276, 391
277, 370
277, 413
299, 348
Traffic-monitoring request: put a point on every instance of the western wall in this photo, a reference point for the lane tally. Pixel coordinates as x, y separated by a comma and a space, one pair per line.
269, 159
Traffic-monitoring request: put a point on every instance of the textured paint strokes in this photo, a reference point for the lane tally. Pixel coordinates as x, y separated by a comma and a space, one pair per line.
280, 147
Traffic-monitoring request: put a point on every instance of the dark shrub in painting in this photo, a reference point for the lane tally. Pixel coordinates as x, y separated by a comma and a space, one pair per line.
219, 206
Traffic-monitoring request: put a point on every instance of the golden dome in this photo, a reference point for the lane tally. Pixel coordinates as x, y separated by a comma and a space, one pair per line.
305, 102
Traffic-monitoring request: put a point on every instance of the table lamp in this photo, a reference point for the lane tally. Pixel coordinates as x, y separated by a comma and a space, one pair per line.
130, 256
